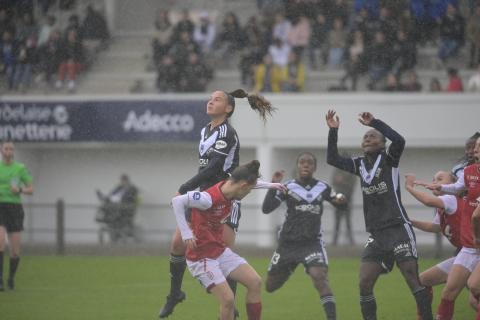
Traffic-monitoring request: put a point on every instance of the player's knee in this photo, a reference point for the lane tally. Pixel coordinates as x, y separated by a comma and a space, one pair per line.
255, 284
178, 246
473, 301
450, 292
228, 301
474, 287
366, 284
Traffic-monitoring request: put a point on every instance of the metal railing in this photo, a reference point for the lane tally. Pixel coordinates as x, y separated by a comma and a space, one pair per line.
60, 224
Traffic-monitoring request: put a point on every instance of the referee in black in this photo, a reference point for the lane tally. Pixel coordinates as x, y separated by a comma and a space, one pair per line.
15, 180
391, 235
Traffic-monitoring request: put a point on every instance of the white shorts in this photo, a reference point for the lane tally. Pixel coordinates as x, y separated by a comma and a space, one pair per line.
468, 258
210, 272
446, 265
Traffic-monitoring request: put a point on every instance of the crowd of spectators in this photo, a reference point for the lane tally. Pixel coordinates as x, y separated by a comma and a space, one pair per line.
37, 47
375, 39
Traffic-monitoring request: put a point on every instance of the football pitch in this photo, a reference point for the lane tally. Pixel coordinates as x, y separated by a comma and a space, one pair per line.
115, 288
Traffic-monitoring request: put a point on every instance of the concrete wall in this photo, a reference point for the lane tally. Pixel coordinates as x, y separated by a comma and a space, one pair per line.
435, 127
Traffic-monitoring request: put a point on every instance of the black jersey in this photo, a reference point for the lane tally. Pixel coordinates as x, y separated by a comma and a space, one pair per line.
304, 210
382, 205
218, 153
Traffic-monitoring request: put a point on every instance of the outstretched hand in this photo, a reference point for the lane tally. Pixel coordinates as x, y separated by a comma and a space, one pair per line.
366, 118
278, 176
333, 121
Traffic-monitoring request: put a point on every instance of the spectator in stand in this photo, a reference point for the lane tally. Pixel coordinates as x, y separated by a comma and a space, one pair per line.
181, 50
339, 10
337, 42
455, 83
435, 85
162, 37
412, 84
380, 60
473, 37
392, 83
251, 57
367, 25
372, 6
204, 33
474, 82
45, 30
184, 25
318, 41
167, 80
279, 52
95, 26
281, 28
49, 55
27, 30
71, 60
294, 79
230, 37
6, 23
299, 35
356, 60
23, 67
388, 25
74, 24
405, 53
452, 27
268, 77
8, 47
425, 23
407, 24
195, 75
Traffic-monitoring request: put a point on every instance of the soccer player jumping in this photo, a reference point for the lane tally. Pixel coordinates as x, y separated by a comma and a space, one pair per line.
391, 235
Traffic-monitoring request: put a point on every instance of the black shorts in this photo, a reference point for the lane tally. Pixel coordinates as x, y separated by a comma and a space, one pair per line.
233, 220
287, 257
11, 216
390, 245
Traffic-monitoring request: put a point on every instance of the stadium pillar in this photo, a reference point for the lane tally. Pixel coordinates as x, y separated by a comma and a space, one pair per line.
60, 227
265, 237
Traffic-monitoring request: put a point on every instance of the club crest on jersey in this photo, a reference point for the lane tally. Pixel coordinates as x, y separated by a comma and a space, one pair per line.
220, 144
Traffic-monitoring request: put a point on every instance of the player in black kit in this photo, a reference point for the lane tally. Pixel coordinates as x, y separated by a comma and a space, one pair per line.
391, 235
218, 157
300, 238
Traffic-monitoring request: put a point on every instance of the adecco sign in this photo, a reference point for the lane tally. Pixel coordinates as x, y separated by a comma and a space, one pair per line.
102, 121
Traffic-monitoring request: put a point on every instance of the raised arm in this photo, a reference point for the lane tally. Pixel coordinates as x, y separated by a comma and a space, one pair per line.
395, 149
425, 198
273, 198
333, 157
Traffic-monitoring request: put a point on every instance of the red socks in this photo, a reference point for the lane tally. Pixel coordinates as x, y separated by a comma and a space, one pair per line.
254, 310
445, 310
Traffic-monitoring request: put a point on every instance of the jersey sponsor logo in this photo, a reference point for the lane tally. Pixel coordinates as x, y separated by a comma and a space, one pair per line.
220, 144
203, 162
311, 208
376, 189
402, 249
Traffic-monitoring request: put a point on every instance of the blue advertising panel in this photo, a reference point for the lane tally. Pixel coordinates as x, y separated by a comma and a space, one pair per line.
102, 121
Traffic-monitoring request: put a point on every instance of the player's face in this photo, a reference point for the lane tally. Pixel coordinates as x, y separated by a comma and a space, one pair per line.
441, 177
372, 142
476, 151
7, 151
218, 105
305, 166
469, 146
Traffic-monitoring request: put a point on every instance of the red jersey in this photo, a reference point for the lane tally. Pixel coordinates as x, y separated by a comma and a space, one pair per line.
472, 185
207, 225
450, 222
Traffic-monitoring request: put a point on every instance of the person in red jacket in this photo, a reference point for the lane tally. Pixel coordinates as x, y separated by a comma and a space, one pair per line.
455, 83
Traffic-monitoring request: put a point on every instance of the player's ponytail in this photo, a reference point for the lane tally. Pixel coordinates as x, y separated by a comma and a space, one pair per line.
247, 172
257, 103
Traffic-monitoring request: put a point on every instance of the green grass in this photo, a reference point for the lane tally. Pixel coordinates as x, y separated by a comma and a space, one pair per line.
104, 288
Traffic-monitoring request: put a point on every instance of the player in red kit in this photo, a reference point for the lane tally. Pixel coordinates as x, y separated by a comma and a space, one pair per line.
448, 209
469, 256
209, 260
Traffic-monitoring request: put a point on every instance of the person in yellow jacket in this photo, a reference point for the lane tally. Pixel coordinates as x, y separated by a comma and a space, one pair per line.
294, 74
269, 77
